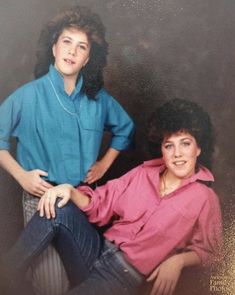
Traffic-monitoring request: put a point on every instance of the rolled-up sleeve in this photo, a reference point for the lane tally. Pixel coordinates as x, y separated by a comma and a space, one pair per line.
9, 118
100, 209
103, 199
119, 124
207, 237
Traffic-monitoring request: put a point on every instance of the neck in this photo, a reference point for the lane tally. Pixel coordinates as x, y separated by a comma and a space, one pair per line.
168, 183
69, 85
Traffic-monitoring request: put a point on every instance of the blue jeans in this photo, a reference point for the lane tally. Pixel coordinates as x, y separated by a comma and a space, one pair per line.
94, 265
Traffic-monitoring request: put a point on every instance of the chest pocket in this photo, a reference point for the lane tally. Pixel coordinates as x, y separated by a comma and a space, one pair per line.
91, 116
92, 123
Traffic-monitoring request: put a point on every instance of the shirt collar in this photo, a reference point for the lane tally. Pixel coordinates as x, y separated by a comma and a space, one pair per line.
203, 174
58, 82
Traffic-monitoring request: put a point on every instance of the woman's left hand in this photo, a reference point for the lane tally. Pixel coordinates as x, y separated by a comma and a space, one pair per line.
166, 276
98, 169
96, 172
46, 205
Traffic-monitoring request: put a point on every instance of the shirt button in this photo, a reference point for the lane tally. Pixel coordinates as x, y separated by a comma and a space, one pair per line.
125, 270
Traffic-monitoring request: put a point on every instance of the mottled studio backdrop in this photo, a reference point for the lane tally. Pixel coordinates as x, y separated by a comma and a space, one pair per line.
159, 49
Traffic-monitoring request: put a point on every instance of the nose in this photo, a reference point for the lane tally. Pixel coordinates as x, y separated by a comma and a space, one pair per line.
178, 152
72, 50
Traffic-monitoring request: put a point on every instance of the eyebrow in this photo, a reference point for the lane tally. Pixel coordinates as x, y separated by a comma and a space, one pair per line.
81, 42
182, 139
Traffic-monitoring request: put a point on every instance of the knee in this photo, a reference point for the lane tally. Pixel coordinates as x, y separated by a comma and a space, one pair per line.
68, 211
69, 208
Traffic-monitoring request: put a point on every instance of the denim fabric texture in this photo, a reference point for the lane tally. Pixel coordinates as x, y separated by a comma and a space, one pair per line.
47, 274
94, 266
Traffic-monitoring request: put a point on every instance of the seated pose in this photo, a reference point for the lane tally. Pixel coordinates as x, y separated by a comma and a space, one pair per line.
163, 216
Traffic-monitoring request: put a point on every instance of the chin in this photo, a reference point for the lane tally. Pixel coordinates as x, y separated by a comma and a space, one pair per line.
183, 174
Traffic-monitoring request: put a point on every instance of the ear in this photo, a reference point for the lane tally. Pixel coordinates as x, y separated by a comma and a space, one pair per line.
198, 151
53, 49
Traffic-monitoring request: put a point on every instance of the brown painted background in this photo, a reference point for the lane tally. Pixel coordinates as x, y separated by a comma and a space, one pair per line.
159, 49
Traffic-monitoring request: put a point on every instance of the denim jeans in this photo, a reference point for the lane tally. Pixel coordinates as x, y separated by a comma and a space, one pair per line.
93, 267
47, 273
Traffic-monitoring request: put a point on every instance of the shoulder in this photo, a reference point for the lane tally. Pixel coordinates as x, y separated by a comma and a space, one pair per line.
203, 196
204, 180
154, 164
28, 88
103, 96
134, 172
24, 94
201, 182
211, 197
208, 205
205, 190
151, 166
18, 94
110, 104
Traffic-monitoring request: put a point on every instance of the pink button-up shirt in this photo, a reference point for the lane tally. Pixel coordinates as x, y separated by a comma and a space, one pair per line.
149, 228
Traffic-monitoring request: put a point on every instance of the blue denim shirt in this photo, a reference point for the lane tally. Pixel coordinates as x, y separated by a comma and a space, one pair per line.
58, 133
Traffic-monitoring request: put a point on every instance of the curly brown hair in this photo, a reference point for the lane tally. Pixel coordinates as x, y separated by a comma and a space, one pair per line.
83, 19
179, 115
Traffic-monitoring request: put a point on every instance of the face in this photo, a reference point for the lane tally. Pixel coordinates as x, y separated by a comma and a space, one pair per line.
180, 152
71, 52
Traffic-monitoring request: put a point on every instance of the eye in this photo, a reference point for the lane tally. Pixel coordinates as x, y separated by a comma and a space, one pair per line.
168, 146
82, 47
186, 143
66, 41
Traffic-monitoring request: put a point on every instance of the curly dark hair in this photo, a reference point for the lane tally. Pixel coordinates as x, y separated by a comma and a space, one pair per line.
83, 19
182, 115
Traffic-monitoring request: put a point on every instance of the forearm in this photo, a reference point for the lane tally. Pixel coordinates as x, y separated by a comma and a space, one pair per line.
109, 157
99, 168
188, 259
79, 199
30, 181
8, 163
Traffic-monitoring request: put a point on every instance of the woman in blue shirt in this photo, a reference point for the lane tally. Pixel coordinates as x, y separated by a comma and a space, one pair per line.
58, 119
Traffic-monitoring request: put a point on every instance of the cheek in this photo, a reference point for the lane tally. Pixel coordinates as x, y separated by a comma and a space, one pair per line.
193, 155
57, 51
166, 157
163, 154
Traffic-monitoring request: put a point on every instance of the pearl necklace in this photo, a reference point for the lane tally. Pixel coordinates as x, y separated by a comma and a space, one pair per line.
60, 102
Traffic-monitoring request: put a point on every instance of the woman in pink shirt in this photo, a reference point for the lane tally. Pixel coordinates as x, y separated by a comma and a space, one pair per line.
164, 214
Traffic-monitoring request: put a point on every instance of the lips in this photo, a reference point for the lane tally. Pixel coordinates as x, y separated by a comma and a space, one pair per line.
179, 163
69, 61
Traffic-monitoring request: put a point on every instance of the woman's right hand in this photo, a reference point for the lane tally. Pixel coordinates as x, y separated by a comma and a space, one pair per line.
166, 276
46, 205
32, 182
